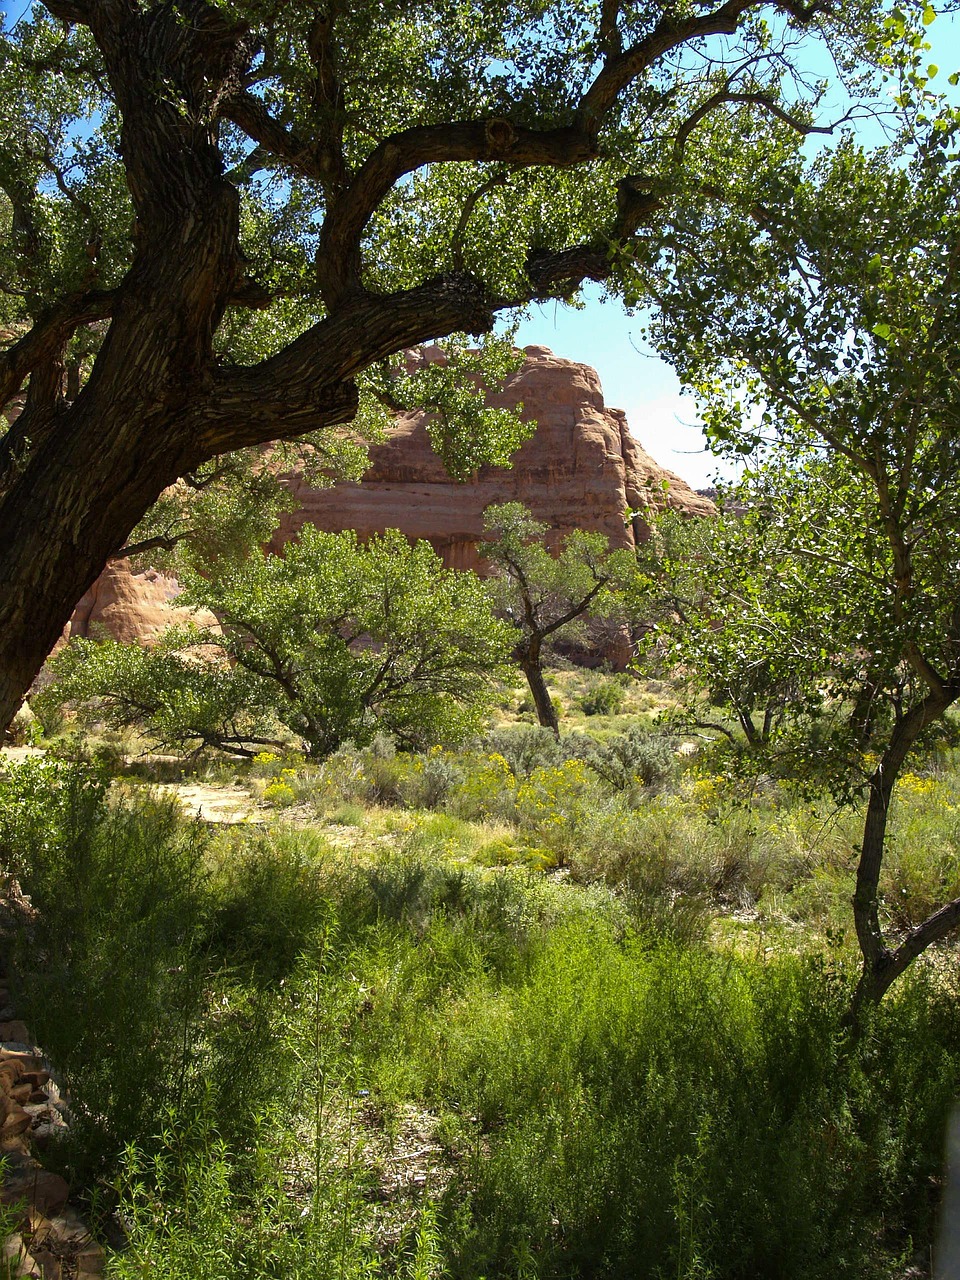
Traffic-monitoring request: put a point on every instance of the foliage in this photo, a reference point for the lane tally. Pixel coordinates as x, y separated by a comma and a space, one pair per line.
41, 803
107, 966
638, 756
333, 640
823, 343
595, 1090
464, 431
606, 698
547, 595
218, 220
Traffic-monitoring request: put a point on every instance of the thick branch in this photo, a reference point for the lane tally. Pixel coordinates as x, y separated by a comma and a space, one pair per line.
250, 114
338, 261
47, 336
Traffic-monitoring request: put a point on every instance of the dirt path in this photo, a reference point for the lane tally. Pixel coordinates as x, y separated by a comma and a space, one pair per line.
213, 804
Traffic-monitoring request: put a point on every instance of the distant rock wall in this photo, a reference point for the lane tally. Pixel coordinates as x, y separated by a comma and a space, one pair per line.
582, 469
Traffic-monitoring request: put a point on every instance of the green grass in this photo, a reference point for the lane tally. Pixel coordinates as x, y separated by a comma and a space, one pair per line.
639, 1068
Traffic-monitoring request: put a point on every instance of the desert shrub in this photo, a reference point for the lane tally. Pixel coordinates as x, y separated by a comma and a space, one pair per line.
268, 903
44, 807
552, 803
606, 698
635, 757
525, 747
198, 1210
487, 790
922, 864
431, 779
110, 982
642, 1112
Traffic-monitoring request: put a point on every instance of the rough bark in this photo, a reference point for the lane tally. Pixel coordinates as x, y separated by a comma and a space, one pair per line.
543, 703
76, 475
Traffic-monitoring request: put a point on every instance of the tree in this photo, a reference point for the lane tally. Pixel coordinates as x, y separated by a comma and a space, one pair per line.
545, 596
691, 601
219, 216
824, 345
332, 640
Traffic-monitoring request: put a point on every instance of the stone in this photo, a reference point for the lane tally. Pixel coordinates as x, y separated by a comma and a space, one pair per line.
131, 606
17, 1259
44, 1192
582, 469
23, 1059
15, 1122
14, 1031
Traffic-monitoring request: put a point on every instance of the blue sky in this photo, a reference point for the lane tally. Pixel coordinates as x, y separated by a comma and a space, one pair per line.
636, 380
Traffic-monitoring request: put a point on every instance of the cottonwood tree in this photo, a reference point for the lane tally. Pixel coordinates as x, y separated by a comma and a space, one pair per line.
335, 639
824, 343
692, 601
547, 595
218, 216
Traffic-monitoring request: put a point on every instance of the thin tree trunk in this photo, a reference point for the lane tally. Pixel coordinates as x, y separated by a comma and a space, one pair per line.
546, 712
882, 965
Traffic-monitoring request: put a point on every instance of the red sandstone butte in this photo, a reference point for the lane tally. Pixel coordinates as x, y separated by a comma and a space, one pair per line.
582, 469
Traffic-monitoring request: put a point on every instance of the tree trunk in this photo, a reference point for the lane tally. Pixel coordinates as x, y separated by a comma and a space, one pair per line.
546, 712
881, 964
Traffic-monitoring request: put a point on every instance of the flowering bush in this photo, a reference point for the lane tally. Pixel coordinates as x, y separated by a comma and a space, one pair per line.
487, 791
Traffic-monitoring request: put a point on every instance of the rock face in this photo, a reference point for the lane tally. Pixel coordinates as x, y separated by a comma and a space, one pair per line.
581, 470
131, 606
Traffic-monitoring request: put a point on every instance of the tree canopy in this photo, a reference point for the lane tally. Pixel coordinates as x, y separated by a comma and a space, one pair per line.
220, 217
822, 335
333, 640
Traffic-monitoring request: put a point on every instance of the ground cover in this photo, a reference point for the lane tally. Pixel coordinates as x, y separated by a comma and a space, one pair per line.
529, 1009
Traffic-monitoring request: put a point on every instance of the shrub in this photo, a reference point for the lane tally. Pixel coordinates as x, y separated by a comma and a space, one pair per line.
110, 985
637, 756
487, 789
604, 699
647, 1111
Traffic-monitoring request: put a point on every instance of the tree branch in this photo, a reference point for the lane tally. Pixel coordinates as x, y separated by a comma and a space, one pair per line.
48, 334
338, 258
250, 114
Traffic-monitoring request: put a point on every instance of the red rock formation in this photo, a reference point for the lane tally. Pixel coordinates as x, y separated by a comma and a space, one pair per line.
132, 606
581, 470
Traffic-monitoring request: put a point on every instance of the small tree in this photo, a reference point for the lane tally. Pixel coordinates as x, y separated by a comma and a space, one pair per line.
692, 600
825, 345
333, 640
547, 597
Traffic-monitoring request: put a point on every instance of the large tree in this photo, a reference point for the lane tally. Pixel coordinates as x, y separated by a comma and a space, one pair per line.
217, 216
823, 344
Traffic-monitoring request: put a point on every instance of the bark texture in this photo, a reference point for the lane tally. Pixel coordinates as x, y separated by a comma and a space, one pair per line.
77, 473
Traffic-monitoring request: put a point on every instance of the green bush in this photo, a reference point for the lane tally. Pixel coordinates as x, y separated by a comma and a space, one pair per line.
644, 1112
110, 983
604, 699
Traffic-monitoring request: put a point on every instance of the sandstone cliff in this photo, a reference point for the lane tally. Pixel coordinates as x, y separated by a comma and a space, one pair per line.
582, 469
